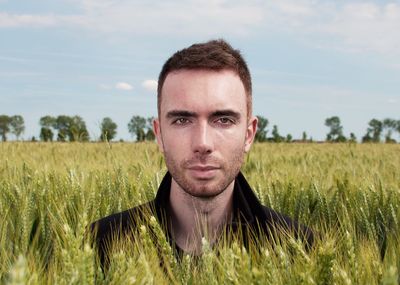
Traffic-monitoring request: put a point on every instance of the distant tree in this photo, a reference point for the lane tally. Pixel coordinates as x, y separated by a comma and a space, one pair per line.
389, 125
137, 126
289, 138
46, 134
353, 138
63, 125
375, 128
304, 137
69, 128
17, 125
336, 130
398, 126
150, 136
4, 126
77, 130
276, 137
108, 129
47, 124
367, 138
261, 134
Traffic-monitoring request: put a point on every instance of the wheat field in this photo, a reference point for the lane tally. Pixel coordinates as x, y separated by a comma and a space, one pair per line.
348, 193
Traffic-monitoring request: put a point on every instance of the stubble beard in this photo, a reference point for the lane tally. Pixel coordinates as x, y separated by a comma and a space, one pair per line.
205, 189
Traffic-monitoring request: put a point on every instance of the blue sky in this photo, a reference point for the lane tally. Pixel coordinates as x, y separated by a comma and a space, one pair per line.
95, 58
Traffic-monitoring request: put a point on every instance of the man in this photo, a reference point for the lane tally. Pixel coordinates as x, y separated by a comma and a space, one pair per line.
204, 128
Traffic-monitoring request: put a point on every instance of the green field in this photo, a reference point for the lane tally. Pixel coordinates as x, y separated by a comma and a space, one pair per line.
348, 193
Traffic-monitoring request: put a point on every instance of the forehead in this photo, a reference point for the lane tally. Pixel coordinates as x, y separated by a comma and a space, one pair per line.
203, 91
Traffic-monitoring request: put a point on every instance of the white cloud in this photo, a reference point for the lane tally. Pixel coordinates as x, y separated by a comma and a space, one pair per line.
9, 20
123, 86
29, 20
150, 85
136, 17
341, 25
368, 27
297, 8
353, 26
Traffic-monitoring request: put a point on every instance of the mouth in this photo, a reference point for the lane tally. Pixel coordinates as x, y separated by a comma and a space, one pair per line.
203, 172
203, 167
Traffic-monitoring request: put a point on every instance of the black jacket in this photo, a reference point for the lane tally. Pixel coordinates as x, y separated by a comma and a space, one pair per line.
249, 217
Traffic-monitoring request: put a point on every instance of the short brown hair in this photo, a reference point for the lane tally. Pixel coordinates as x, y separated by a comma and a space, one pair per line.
214, 55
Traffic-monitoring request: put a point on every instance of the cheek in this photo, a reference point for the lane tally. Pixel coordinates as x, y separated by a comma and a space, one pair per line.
232, 137
175, 143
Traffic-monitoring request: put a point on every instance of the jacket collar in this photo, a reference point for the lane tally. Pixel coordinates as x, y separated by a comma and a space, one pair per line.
245, 203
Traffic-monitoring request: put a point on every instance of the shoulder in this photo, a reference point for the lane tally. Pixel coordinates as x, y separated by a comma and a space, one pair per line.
120, 223
270, 222
105, 231
278, 223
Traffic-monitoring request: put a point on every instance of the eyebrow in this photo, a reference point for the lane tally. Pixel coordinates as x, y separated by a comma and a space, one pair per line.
218, 113
180, 113
227, 112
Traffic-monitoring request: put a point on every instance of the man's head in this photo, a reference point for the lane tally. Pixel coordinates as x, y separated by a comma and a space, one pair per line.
215, 55
205, 126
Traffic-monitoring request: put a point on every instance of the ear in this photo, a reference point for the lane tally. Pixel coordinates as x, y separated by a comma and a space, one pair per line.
157, 132
250, 133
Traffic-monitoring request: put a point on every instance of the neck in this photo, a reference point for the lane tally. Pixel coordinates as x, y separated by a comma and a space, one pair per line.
194, 218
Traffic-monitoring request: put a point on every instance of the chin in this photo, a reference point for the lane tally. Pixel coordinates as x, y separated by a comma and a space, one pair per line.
200, 187
205, 192
204, 195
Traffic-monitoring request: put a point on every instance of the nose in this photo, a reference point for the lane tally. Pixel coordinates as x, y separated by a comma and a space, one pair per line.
202, 142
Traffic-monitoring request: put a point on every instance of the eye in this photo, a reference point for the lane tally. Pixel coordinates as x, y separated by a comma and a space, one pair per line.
225, 121
180, 121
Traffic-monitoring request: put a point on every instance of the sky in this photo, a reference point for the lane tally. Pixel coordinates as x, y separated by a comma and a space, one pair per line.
309, 59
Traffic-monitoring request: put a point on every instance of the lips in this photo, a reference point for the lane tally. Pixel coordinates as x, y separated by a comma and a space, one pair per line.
203, 167
203, 172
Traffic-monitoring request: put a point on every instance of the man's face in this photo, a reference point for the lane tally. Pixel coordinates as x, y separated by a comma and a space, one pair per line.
203, 129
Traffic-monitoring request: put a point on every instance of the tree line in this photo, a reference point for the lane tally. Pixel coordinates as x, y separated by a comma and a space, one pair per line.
73, 128
377, 131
